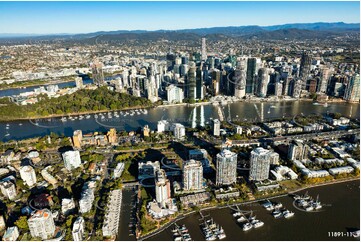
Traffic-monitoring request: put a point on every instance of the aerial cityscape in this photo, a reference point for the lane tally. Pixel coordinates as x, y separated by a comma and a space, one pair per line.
179, 121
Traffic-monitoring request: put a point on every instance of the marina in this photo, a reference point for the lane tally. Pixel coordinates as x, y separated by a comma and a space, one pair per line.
211, 230
304, 225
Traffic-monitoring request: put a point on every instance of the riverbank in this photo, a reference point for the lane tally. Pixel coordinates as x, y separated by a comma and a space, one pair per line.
32, 83
74, 114
185, 215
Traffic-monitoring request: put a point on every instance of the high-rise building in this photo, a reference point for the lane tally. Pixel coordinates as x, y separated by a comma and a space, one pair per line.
27, 174
71, 159
278, 88
11, 234
305, 68
216, 79
260, 164
192, 175
179, 130
97, 72
191, 83
41, 224
216, 127
78, 229
199, 84
226, 167
204, 49
77, 138
174, 94
352, 92
163, 125
8, 189
252, 68
146, 131
325, 75
296, 88
112, 136
239, 78
262, 82
162, 188
297, 150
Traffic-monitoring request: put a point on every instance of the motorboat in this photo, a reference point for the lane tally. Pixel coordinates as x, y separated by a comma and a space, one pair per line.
247, 226
288, 214
241, 219
257, 223
237, 214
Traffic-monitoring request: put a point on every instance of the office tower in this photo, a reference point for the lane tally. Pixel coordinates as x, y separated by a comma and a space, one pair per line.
178, 61
297, 150
192, 175
185, 60
79, 82
263, 79
199, 84
174, 94
278, 88
204, 49
216, 79
97, 72
325, 75
251, 72
78, 229
191, 83
352, 92
286, 86
305, 68
41, 224
183, 70
77, 138
8, 189
295, 88
239, 78
216, 127
71, 159
170, 61
312, 87
112, 136
27, 174
260, 164
162, 187
226, 167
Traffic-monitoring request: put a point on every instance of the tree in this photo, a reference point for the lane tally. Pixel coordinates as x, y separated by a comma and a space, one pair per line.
22, 223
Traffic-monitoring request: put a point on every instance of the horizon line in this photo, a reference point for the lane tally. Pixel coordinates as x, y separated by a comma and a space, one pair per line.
155, 30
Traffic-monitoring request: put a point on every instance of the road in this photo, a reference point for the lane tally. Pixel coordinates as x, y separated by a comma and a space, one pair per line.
325, 135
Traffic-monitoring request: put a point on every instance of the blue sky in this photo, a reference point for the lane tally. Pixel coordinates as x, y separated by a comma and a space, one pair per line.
85, 17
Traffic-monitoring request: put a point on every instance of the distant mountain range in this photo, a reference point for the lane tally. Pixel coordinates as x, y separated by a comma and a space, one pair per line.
318, 30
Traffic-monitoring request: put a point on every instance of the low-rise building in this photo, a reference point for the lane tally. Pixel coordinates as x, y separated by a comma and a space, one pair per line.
314, 173
230, 192
341, 170
195, 199
281, 173
111, 221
